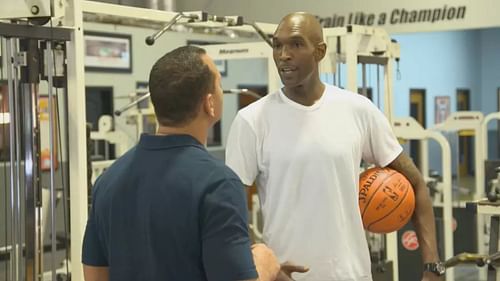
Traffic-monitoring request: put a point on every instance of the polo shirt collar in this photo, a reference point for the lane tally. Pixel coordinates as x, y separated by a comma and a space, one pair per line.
152, 142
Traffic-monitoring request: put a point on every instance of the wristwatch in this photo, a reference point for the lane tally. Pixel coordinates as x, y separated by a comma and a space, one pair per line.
437, 268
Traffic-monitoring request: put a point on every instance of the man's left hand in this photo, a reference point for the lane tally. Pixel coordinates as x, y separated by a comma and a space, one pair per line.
429, 276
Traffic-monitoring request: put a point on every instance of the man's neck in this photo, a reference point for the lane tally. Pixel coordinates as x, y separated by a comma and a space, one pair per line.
305, 94
193, 129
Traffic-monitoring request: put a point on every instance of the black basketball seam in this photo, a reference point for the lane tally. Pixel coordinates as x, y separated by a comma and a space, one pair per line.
393, 209
371, 197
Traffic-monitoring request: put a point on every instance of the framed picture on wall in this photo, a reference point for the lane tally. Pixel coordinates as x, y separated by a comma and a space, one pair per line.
108, 52
441, 108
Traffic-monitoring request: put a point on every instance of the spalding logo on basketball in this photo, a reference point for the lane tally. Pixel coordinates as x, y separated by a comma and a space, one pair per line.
386, 200
409, 240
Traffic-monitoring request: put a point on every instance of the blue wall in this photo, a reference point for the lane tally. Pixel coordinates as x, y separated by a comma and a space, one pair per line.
490, 68
490, 82
441, 63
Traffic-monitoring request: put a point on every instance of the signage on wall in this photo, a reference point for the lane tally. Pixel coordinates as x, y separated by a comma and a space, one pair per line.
396, 17
233, 51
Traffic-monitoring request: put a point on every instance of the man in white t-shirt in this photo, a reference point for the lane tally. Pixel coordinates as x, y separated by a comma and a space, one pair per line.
303, 146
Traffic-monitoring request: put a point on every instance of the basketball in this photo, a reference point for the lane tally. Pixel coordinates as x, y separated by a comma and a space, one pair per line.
386, 200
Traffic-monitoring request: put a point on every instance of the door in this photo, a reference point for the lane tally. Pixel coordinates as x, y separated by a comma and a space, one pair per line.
367, 92
417, 111
98, 102
465, 148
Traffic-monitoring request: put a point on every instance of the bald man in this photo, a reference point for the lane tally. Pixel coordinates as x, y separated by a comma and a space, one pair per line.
303, 145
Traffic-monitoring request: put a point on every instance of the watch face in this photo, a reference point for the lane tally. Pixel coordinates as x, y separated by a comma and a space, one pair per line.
437, 268
440, 268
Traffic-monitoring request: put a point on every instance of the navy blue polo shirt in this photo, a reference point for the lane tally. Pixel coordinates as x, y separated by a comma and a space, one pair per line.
168, 210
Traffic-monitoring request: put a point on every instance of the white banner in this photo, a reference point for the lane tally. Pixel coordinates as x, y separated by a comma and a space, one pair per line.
395, 16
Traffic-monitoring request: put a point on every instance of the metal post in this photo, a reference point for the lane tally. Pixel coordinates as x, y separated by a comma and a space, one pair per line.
388, 96
351, 62
392, 239
494, 238
52, 169
31, 152
30, 137
76, 125
14, 257
18, 116
479, 193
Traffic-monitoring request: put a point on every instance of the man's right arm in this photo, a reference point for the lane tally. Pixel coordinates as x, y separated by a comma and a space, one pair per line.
266, 262
95, 263
227, 254
269, 268
95, 273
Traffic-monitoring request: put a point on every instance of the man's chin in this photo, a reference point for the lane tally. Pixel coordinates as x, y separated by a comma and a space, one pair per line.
291, 85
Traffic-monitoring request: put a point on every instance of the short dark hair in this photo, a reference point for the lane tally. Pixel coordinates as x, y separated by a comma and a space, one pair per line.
177, 83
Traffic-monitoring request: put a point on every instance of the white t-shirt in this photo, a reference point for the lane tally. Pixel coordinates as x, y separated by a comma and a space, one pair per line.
305, 160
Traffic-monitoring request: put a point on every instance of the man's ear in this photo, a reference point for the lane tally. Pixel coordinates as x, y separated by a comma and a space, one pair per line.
209, 104
320, 51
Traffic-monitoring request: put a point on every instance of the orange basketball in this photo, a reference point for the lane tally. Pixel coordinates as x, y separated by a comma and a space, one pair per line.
386, 200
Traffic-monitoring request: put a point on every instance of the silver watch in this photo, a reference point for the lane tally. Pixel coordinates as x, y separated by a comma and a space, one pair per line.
437, 268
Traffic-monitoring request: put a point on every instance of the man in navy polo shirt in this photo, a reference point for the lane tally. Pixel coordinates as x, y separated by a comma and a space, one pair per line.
167, 210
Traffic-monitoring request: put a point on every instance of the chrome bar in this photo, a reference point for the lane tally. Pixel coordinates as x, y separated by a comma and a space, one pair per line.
247, 92
19, 175
244, 92
130, 105
30, 73
13, 177
150, 40
51, 152
31, 168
